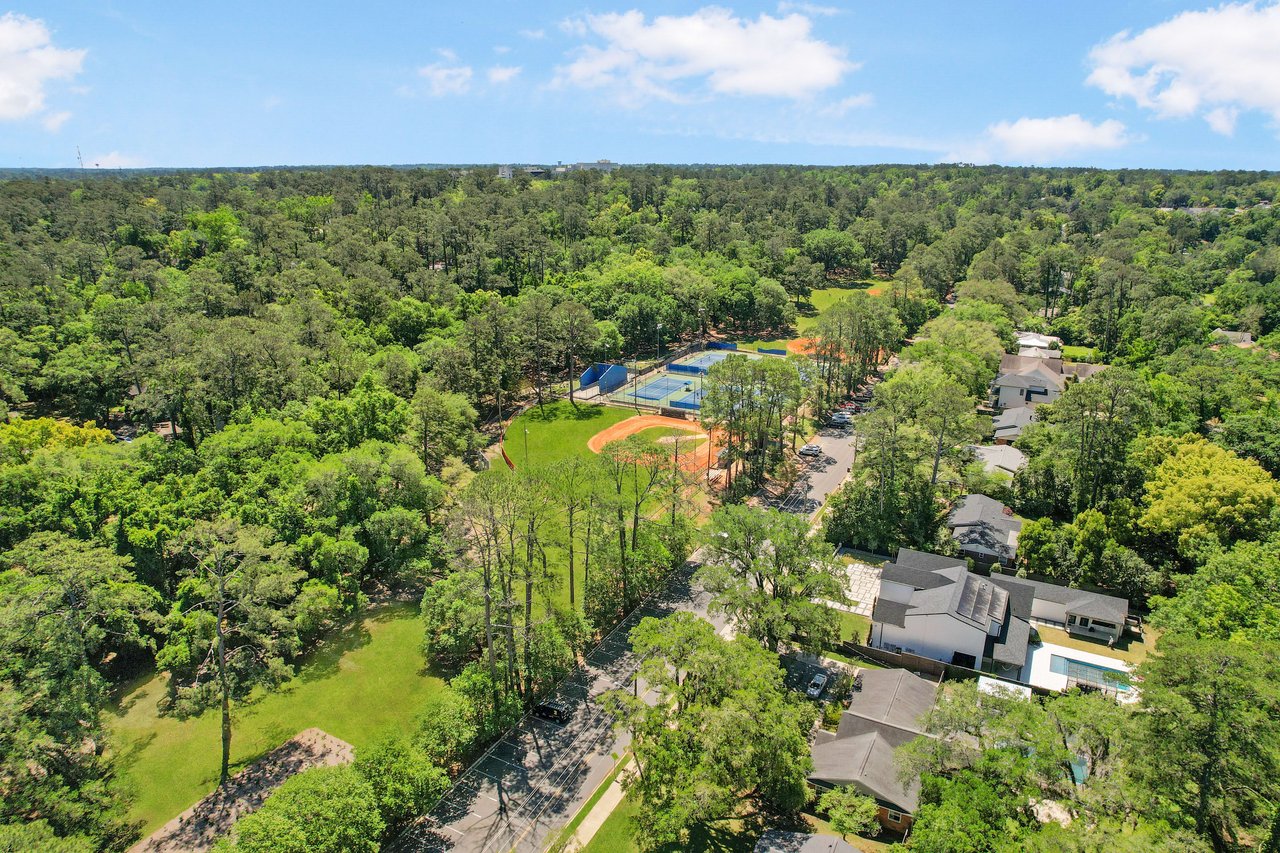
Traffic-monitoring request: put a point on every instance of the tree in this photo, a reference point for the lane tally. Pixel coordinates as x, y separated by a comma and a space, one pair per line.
323, 810
404, 780
65, 606
724, 728
234, 622
772, 578
1210, 738
1202, 497
850, 812
1233, 596
442, 425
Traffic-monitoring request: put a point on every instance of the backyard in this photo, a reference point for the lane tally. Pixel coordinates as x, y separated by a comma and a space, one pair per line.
366, 679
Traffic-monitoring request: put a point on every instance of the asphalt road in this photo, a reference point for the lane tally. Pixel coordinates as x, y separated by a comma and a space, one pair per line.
822, 475
529, 784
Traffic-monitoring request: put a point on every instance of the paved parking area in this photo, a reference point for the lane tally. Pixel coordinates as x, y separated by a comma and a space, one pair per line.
801, 670
823, 474
531, 782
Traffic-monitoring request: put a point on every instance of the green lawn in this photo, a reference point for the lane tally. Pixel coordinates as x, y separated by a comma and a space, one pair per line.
617, 835
558, 431
823, 299
654, 434
365, 680
853, 628
1127, 649
1074, 353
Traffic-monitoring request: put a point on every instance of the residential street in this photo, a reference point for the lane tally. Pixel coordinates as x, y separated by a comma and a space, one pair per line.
533, 781
822, 475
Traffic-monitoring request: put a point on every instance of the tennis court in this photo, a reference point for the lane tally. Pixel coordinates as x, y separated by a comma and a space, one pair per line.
663, 390
699, 364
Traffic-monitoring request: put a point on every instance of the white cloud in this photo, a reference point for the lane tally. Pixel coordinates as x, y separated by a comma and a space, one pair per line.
503, 73
668, 57
116, 160
446, 78
501, 49
53, 122
1043, 140
807, 8
28, 61
534, 35
841, 107
1215, 63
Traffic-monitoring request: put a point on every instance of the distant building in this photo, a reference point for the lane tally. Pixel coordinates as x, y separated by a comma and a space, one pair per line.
506, 173
1010, 423
597, 166
1244, 340
999, 458
1035, 339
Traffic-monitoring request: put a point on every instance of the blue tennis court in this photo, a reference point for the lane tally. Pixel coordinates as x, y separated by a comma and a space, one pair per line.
660, 387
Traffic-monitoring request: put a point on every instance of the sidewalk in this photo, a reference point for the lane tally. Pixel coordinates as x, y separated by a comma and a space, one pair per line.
600, 811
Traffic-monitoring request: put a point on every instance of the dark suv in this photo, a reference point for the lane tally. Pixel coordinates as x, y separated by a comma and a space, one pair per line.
554, 710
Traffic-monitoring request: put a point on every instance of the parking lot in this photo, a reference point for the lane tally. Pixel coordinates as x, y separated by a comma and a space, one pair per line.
821, 475
799, 672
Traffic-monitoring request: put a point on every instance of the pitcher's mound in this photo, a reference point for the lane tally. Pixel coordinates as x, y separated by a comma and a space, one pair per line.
695, 462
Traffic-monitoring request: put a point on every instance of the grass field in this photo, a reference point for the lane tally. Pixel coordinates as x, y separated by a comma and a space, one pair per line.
655, 434
822, 300
1128, 650
617, 835
558, 431
1088, 354
367, 679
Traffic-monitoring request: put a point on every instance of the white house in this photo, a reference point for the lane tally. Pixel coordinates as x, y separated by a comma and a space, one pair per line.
933, 606
1029, 381
1037, 340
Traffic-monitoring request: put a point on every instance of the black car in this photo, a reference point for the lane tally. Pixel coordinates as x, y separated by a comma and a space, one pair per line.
554, 710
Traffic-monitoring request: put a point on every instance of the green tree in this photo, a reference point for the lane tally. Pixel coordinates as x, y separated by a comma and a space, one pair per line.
404, 780
765, 572
234, 622
323, 810
850, 812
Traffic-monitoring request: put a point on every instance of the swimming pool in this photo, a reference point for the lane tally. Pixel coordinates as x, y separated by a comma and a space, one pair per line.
1090, 673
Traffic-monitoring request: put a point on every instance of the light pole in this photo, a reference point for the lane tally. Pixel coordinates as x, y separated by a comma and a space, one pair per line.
657, 337
526, 446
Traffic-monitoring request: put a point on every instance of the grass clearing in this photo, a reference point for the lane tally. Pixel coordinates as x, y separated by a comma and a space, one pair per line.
820, 301
1074, 353
559, 431
366, 679
853, 628
1127, 649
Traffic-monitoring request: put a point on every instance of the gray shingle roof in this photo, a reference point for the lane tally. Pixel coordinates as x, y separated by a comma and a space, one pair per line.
1081, 602
880, 718
781, 841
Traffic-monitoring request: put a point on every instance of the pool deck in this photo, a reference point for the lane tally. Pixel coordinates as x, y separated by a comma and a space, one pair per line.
1038, 673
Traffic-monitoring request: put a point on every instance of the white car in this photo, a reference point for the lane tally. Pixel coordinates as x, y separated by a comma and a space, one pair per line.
816, 686
842, 418
810, 450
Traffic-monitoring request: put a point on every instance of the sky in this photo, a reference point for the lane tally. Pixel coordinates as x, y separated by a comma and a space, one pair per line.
1108, 83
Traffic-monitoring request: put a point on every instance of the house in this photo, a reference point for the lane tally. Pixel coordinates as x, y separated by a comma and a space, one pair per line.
1244, 340
985, 529
1027, 380
1037, 340
1010, 423
597, 166
781, 841
883, 715
999, 458
1078, 611
933, 606
1039, 352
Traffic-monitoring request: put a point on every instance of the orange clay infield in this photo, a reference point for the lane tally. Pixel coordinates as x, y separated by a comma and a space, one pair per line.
695, 461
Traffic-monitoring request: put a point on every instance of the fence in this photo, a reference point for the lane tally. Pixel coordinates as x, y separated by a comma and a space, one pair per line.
929, 666
610, 376
721, 345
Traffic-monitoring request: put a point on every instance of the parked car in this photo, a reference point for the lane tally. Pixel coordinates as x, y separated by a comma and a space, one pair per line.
842, 418
816, 685
554, 710
811, 450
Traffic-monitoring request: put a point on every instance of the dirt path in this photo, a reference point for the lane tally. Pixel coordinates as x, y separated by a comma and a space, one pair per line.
695, 461
198, 828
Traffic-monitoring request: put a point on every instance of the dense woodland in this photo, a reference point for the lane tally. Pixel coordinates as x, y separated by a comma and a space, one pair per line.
329, 351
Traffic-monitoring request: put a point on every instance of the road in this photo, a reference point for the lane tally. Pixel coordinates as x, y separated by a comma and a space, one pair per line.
822, 475
532, 782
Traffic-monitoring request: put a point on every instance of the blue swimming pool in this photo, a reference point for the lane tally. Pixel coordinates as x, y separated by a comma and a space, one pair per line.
1089, 673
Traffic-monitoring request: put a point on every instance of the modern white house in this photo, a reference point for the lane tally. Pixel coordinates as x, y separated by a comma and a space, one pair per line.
933, 606
1030, 381
1039, 341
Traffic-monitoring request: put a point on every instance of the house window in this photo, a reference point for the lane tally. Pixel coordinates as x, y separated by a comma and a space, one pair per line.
893, 816
1084, 621
1071, 620
1109, 626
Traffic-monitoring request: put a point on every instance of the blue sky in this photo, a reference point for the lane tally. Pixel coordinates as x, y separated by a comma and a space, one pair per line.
1121, 83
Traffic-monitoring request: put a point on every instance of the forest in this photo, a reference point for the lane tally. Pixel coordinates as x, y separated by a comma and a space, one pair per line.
239, 409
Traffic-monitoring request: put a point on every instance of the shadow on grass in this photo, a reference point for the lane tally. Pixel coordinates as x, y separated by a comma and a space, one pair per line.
563, 411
